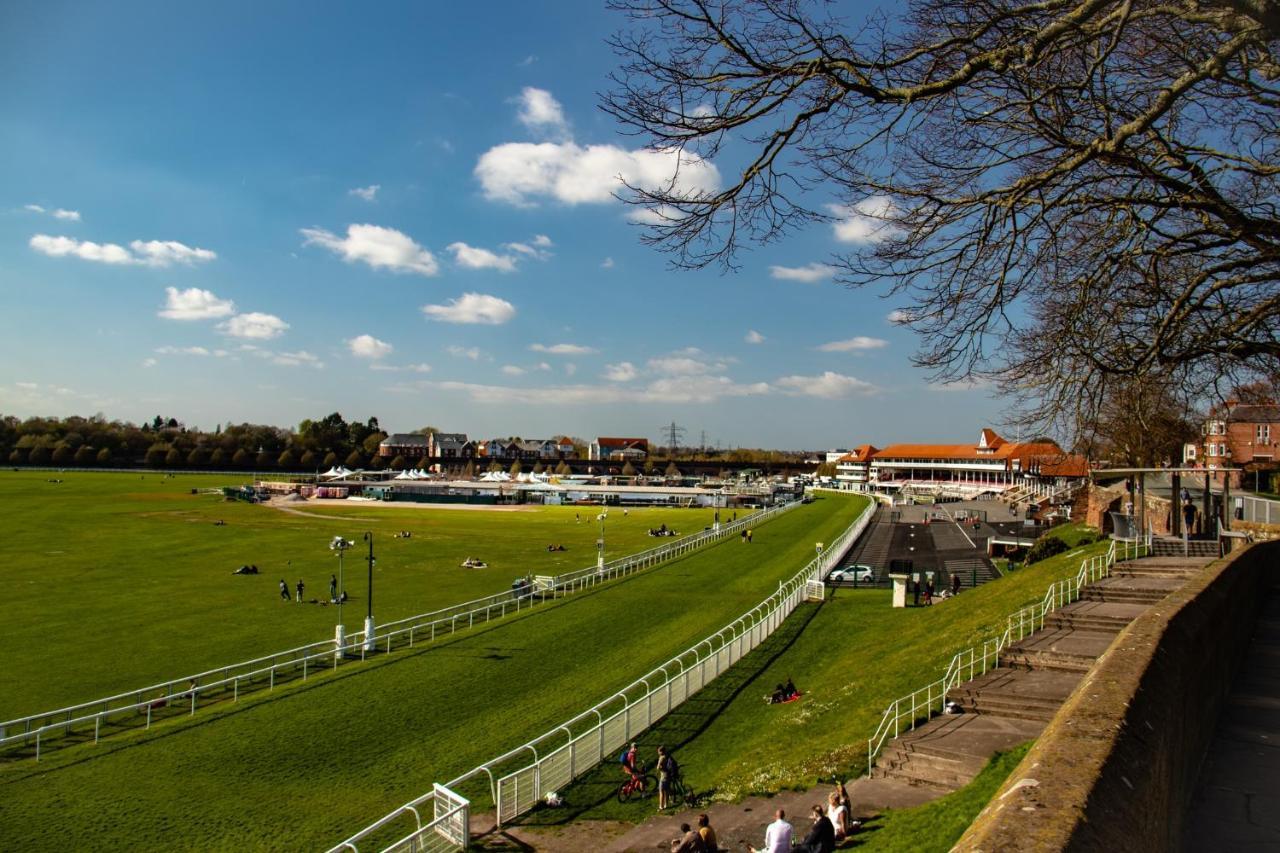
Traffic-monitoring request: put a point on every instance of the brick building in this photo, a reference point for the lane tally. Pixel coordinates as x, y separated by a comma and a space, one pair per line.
1238, 435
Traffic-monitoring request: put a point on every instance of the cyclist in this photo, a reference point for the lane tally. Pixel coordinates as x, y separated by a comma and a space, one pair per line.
629, 766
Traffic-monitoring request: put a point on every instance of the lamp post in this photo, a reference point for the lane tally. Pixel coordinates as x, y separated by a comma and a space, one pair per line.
341, 545
600, 542
368, 619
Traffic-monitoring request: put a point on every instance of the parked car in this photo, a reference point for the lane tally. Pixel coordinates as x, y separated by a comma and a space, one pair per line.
852, 574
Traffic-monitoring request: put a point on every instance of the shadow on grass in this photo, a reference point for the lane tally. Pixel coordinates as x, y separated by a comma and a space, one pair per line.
596, 791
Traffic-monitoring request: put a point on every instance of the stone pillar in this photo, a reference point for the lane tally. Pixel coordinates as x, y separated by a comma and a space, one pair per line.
899, 590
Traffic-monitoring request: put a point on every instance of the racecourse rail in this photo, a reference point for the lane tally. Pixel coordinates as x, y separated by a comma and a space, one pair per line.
139, 708
919, 707
569, 750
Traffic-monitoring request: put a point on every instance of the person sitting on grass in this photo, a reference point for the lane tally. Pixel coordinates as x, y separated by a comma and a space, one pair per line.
708, 834
688, 842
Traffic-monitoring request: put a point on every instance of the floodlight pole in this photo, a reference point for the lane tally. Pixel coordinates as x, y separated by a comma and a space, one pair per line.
600, 544
340, 544
368, 619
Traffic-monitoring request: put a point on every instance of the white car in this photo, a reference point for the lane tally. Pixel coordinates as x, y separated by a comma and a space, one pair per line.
852, 574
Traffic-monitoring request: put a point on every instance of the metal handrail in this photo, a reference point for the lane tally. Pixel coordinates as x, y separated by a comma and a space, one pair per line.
233, 677
1027, 621
790, 592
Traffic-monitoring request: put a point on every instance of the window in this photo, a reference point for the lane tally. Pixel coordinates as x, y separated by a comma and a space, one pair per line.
1264, 433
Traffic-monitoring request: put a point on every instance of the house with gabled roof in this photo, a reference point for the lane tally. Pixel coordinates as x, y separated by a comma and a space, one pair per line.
410, 445
619, 449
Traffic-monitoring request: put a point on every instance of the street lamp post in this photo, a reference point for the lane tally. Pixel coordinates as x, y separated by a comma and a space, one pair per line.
341, 545
368, 619
600, 542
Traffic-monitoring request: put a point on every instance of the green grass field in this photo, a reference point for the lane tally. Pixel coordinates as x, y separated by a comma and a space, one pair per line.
851, 655
118, 581
304, 766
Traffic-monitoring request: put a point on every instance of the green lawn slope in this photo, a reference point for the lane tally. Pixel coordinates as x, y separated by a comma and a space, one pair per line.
118, 581
851, 656
303, 767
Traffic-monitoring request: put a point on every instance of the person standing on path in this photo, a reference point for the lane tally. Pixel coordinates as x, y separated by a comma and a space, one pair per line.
333, 588
301, 587
284, 589
667, 770
777, 837
750, 533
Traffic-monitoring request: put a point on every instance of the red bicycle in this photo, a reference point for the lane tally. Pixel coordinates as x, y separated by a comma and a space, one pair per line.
639, 785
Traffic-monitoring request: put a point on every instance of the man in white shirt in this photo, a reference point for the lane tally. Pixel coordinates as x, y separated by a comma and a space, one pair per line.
777, 837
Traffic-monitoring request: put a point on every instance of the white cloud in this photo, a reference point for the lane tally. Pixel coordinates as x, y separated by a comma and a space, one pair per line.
541, 113
194, 304
690, 361
409, 368
528, 60
367, 346
860, 343
254, 326
368, 193
869, 221
380, 248
537, 248
513, 370
472, 308
163, 253
542, 241
60, 247
606, 264
520, 173
182, 351
151, 253
28, 386
623, 371
695, 389
561, 349
472, 353
57, 213
542, 365
149, 362
829, 385
754, 337
301, 358
899, 317
808, 274
972, 384
476, 258
570, 369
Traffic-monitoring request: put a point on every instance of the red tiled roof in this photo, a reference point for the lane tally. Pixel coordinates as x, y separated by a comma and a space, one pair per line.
621, 442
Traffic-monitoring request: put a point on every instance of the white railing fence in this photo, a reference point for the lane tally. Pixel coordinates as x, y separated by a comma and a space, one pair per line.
569, 750
906, 712
139, 708
1255, 510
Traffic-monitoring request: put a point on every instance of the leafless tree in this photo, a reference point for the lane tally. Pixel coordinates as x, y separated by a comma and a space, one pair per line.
1057, 193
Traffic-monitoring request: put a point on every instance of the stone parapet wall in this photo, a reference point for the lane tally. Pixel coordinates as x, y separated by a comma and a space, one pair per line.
1095, 502
1116, 767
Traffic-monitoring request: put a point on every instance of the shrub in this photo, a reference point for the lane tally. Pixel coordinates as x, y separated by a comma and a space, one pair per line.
104, 456
1046, 547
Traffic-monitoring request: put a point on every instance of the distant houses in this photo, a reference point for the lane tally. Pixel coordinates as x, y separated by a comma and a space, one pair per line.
619, 449
455, 445
410, 445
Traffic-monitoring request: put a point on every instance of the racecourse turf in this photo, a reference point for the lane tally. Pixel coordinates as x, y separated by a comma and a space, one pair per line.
119, 581
304, 766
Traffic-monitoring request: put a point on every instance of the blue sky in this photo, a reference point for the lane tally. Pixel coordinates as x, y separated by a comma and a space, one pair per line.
267, 212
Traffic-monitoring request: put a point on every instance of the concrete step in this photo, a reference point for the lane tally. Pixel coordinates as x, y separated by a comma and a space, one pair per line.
1120, 596
948, 751
1022, 694
1195, 547
1069, 651
1132, 590
1096, 616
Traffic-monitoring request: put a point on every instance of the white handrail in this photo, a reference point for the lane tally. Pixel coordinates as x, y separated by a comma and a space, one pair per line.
240, 677
557, 750
1026, 621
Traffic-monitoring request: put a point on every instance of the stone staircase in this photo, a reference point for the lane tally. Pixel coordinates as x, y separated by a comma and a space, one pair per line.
1170, 546
1012, 704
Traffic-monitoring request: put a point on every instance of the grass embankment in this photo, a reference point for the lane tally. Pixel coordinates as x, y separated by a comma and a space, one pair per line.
851, 655
937, 826
304, 767
118, 581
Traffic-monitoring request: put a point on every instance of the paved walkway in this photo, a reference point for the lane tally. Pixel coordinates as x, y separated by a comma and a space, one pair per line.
1236, 806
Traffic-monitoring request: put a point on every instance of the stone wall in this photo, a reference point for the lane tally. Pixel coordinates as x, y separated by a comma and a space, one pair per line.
1095, 503
1116, 767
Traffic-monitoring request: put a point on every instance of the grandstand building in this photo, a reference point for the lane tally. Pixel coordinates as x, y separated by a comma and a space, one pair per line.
991, 465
